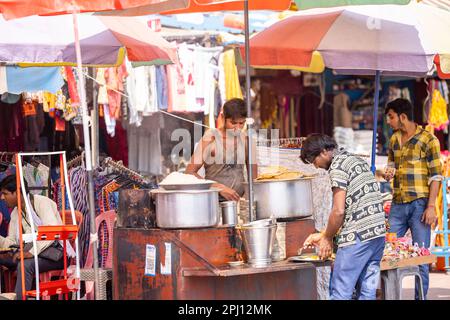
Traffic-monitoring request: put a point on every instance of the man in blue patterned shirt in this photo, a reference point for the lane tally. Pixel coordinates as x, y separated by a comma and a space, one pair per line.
356, 223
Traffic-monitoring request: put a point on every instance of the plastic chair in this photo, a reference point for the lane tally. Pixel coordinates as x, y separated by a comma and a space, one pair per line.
49, 275
105, 272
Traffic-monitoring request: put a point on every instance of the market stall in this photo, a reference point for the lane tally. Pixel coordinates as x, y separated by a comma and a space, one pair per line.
172, 261
176, 264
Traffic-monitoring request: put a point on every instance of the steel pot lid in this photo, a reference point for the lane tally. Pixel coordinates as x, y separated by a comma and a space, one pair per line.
161, 190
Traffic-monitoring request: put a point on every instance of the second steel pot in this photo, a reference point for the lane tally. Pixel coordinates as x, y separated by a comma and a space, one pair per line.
187, 208
283, 198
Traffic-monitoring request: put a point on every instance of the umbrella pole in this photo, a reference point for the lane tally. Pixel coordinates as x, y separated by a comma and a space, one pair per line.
249, 110
87, 151
375, 120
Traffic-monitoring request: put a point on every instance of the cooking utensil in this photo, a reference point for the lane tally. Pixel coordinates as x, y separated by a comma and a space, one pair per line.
190, 186
260, 223
229, 213
290, 198
187, 208
308, 257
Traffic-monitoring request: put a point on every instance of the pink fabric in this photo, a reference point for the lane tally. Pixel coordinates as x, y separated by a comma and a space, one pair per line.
114, 80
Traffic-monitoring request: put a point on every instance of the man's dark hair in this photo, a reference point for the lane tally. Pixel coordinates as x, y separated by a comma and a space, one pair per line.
235, 109
314, 144
400, 106
9, 183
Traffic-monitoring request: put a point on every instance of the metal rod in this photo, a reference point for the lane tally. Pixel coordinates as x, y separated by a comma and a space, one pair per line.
96, 127
87, 153
249, 110
193, 254
375, 120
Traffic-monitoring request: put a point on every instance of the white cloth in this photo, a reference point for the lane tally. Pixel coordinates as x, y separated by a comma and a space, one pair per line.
141, 90
110, 122
187, 59
3, 82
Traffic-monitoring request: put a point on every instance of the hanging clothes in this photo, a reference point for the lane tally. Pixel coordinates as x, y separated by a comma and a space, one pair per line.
141, 92
161, 87
342, 116
72, 85
438, 117
144, 145
31, 79
33, 115
114, 78
206, 75
3, 81
228, 77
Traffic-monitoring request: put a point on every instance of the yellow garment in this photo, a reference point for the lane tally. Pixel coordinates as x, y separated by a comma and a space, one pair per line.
232, 85
438, 112
49, 101
60, 103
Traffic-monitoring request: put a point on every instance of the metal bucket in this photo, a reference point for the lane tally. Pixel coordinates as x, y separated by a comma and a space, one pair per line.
279, 245
258, 243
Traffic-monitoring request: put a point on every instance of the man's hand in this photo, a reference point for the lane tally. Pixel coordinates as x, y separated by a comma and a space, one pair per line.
429, 216
389, 174
229, 194
325, 244
26, 255
312, 240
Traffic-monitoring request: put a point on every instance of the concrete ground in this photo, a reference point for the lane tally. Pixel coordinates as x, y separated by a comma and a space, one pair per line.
439, 287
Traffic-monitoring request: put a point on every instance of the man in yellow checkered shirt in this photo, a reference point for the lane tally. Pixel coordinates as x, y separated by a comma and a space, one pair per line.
415, 153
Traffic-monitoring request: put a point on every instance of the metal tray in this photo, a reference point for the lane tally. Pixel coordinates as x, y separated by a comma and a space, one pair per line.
306, 257
193, 186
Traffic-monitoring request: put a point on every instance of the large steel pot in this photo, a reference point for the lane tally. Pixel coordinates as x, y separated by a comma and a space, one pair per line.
187, 208
283, 198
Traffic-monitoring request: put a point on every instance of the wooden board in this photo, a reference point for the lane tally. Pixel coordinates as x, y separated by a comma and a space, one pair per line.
388, 265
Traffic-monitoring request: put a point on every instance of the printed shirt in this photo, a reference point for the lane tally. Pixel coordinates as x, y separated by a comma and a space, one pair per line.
364, 214
417, 162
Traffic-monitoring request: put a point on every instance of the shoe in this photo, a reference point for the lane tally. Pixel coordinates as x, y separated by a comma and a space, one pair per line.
8, 296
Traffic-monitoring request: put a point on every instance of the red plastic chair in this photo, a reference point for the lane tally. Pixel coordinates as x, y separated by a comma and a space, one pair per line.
109, 218
59, 274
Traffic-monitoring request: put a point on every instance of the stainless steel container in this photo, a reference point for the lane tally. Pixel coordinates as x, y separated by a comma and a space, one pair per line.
283, 198
229, 213
187, 208
279, 245
258, 243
